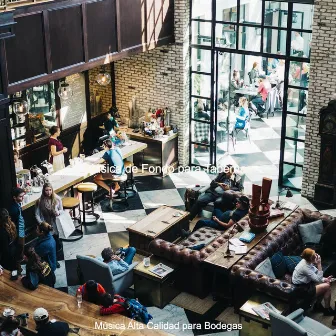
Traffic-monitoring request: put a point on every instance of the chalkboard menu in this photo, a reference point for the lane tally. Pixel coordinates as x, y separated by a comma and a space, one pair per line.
73, 110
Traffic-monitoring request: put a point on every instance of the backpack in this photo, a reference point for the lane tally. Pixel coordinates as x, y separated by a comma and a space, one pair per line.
136, 311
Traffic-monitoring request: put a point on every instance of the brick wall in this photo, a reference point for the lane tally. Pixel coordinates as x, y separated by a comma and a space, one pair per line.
160, 78
322, 82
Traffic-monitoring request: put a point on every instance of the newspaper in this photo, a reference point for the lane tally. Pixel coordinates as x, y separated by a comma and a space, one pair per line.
264, 309
161, 270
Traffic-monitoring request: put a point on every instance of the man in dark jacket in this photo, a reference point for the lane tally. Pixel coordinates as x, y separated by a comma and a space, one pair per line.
45, 327
15, 212
226, 180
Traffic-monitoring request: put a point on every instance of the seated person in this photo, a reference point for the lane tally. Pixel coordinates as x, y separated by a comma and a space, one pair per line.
10, 327
92, 291
112, 304
224, 220
263, 89
113, 157
235, 84
17, 161
243, 113
309, 272
37, 271
226, 180
118, 264
110, 123
45, 327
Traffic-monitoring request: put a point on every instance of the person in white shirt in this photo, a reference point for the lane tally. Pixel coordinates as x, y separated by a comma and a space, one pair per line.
298, 44
309, 271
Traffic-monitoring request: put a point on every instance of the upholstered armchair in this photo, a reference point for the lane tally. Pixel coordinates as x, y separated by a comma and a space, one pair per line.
93, 269
295, 324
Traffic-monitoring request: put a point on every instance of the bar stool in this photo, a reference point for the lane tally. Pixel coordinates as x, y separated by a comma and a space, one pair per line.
87, 189
130, 179
72, 203
119, 204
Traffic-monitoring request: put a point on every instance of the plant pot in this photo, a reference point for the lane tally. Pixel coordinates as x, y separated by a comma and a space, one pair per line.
258, 222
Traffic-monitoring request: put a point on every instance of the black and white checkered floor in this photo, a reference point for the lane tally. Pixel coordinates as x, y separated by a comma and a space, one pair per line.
110, 230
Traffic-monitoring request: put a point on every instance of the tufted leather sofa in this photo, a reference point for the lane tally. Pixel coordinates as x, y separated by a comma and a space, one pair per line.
193, 268
283, 238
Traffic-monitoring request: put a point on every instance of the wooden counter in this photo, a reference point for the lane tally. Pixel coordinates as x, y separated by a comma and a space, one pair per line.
69, 176
63, 307
161, 153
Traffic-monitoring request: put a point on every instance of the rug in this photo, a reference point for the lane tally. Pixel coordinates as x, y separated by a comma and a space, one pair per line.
193, 303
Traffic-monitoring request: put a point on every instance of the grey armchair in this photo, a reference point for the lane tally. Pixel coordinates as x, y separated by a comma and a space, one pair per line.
93, 269
295, 324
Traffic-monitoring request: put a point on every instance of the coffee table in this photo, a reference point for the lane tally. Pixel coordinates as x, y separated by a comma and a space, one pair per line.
162, 223
152, 290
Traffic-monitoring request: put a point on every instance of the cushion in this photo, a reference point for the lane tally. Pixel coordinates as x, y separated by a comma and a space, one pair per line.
311, 232
278, 265
291, 262
265, 268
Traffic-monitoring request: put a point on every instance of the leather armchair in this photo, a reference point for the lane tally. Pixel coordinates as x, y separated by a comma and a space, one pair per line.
94, 269
295, 324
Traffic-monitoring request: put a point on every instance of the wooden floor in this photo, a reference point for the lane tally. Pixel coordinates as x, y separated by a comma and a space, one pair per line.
63, 307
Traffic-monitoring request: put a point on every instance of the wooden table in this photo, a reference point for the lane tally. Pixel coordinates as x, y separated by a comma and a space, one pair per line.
252, 323
63, 307
69, 176
161, 153
161, 223
151, 289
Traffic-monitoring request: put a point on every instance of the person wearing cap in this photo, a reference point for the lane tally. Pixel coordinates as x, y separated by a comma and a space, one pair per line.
223, 220
263, 89
45, 327
225, 180
115, 261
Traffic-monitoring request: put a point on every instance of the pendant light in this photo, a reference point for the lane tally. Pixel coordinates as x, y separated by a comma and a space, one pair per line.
64, 91
103, 78
20, 107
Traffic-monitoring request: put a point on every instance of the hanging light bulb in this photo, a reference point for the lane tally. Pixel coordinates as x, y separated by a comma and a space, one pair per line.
20, 108
103, 78
64, 91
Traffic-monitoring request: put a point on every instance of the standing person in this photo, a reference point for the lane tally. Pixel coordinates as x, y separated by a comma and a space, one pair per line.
47, 208
15, 212
309, 272
297, 44
8, 237
56, 149
254, 73
45, 327
45, 246
17, 162
92, 291
113, 157
37, 271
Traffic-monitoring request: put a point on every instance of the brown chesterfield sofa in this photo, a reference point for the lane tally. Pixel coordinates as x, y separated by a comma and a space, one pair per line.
285, 238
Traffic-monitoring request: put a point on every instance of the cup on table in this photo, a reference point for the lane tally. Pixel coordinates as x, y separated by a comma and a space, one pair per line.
72, 163
146, 261
82, 157
8, 312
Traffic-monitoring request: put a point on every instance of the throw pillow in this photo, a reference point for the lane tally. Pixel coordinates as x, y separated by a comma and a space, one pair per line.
278, 265
311, 232
265, 267
291, 262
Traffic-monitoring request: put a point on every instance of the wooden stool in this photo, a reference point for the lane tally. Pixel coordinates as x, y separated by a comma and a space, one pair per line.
130, 179
115, 204
72, 203
87, 189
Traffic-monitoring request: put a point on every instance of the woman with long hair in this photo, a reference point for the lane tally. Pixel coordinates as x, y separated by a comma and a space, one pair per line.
45, 246
92, 291
8, 235
56, 149
47, 208
37, 271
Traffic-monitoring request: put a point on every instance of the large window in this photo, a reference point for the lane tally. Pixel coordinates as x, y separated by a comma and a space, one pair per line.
233, 44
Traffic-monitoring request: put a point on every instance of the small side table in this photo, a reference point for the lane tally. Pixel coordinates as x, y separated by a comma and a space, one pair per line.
252, 323
152, 290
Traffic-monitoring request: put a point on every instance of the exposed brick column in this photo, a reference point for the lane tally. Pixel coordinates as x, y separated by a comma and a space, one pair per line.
322, 83
160, 78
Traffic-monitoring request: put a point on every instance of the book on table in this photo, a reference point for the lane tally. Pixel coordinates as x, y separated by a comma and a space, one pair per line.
264, 309
161, 270
247, 237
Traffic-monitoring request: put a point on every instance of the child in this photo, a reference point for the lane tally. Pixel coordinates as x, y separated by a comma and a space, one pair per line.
243, 113
112, 304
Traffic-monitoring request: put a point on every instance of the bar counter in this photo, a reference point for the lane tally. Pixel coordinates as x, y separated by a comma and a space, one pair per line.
69, 176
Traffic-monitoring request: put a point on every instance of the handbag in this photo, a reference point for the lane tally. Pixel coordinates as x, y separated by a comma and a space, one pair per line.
65, 225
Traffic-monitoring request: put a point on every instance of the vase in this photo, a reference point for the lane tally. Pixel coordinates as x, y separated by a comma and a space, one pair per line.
258, 221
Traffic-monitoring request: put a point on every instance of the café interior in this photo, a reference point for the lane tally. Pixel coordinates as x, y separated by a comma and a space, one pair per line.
203, 106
